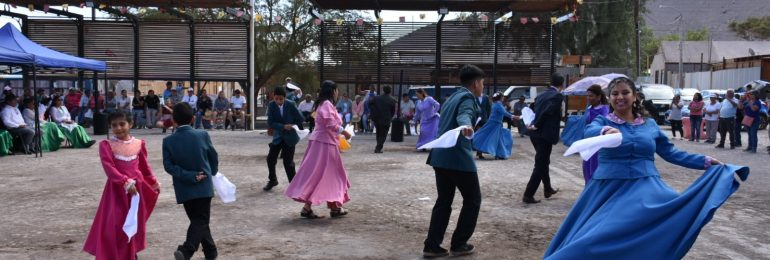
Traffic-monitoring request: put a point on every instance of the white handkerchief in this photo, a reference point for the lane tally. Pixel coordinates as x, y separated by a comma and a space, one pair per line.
292, 86
589, 146
301, 133
448, 139
351, 129
132, 219
527, 115
69, 127
224, 188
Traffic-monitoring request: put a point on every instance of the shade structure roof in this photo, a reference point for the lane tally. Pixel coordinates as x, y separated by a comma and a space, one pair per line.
11, 57
12, 39
451, 5
138, 3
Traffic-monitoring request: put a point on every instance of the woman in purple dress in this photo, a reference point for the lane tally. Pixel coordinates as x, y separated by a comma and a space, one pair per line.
427, 114
598, 101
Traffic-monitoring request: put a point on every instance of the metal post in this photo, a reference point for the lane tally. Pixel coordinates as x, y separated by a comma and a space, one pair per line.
81, 50
437, 71
192, 55
321, 47
551, 50
494, 63
379, 56
638, 40
680, 80
252, 33
136, 55
37, 112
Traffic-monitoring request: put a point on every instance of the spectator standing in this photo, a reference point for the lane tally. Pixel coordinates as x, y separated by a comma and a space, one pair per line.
167, 92
407, 108
751, 119
175, 97
72, 101
110, 103
383, 108
358, 113
727, 119
517, 107
675, 117
138, 111
712, 118
204, 115
152, 102
696, 117
739, 120
306, 108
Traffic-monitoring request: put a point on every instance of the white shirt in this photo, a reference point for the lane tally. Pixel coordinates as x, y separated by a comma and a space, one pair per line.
238, 102
60, 114
712, 108
12, 117
192, 100
122, 102
280, 108
676, 112
29, 117
305, 106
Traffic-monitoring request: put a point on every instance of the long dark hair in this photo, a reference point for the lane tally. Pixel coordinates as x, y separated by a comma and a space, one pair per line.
697, 97
327, 93
636, 106
597, 90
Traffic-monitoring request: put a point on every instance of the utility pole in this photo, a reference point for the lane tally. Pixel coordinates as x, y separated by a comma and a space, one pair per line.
638, 40
253, 106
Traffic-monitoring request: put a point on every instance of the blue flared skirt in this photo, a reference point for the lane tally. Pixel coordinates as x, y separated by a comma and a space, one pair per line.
641, 218
494, 140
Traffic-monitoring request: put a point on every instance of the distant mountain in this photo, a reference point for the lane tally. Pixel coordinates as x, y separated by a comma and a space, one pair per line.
715, 15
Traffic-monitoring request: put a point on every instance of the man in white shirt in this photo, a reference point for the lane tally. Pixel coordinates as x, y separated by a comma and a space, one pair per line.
712, 119
407, 112
306, 108
15, 124
236, 103
191, 99
727, 114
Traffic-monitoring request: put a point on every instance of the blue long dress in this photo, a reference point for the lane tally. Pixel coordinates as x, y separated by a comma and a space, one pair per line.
493, 138
589, 167
627, 212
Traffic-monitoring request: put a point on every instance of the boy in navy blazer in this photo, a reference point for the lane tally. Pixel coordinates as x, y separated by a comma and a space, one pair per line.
282, 116
190, 158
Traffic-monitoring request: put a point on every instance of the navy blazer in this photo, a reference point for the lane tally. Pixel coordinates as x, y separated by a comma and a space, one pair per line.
548, 115
185, 153
291, 115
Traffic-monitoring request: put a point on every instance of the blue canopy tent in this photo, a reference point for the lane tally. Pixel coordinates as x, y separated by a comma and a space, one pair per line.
17, 49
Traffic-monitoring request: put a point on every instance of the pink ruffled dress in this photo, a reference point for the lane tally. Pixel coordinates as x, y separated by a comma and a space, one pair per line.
321, 177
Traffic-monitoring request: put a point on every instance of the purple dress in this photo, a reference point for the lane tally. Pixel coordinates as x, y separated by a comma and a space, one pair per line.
589, 167
427, 114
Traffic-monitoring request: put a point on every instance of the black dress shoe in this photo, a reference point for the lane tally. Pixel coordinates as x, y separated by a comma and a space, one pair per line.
178, 255
377, 151
434, 252
466, 249
530, 200
548, 194
269, 186
720, 146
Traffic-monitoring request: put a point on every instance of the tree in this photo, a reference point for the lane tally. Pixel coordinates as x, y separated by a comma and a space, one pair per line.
754, 28
651, 44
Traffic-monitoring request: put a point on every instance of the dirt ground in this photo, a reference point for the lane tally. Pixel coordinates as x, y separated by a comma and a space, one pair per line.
48, 205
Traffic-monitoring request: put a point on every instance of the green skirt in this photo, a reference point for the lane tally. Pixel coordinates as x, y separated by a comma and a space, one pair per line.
52, 137
6, 143
77, 137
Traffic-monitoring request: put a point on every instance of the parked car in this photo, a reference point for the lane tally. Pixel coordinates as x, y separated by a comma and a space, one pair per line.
530, 93
687, 94
431, 91
661, 97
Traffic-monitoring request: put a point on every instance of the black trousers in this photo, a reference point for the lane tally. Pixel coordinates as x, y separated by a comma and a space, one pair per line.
542, 162
287, 153
27, 136
446, 182
310, 120
198, 233
727, 126
382, 135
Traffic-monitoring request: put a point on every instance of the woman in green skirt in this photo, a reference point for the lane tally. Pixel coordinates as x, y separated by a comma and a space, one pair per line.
52, 137
75, 133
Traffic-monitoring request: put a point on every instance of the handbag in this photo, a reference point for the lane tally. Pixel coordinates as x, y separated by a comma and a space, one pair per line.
747, 121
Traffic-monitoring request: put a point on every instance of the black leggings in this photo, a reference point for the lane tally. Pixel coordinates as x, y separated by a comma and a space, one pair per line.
676, 125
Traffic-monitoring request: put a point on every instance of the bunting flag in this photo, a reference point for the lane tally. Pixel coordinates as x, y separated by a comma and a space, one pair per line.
82, 5
221, 14
340, 21
102, 6
401, 19
359, 21
317, 21
379, 21
484, 18
142, 10
535, 19
422, 16
31, 7
523, 20
553, 20
46, 7
65, 7
124, 10
239, 13
258, 17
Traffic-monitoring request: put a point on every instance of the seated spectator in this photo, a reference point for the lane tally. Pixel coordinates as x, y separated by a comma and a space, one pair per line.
15, 124
75, 133
222, 109
52, 136
110, 103
72, 101
124, 104
237, 102
166, 121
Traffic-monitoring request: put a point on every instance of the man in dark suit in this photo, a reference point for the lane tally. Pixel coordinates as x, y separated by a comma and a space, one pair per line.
486, 109
191, 160
282, 116
544, 133
382, 108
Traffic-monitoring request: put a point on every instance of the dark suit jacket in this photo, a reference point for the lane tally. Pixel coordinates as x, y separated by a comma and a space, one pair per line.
486, 110
548, 115
291, 115
382, 108
185, 153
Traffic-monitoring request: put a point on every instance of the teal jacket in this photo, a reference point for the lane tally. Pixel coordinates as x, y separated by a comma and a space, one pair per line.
185, 153
290, 116
461, 108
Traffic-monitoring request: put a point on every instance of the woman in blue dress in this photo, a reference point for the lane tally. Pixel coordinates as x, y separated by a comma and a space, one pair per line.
626, 211
598, 101
493, 138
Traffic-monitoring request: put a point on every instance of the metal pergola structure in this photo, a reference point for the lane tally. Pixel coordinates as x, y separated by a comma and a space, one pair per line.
240, 64
497, 7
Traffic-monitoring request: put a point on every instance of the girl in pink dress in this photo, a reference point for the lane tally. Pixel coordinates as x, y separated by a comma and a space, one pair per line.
321, 176
124, 159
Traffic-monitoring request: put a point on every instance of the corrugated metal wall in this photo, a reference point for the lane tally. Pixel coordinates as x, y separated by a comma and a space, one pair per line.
221, 51
60, 35
113, 43
723, 79
164, 51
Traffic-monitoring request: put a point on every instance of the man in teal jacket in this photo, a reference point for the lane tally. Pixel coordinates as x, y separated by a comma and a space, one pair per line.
190, 158
282, 115
455, 168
